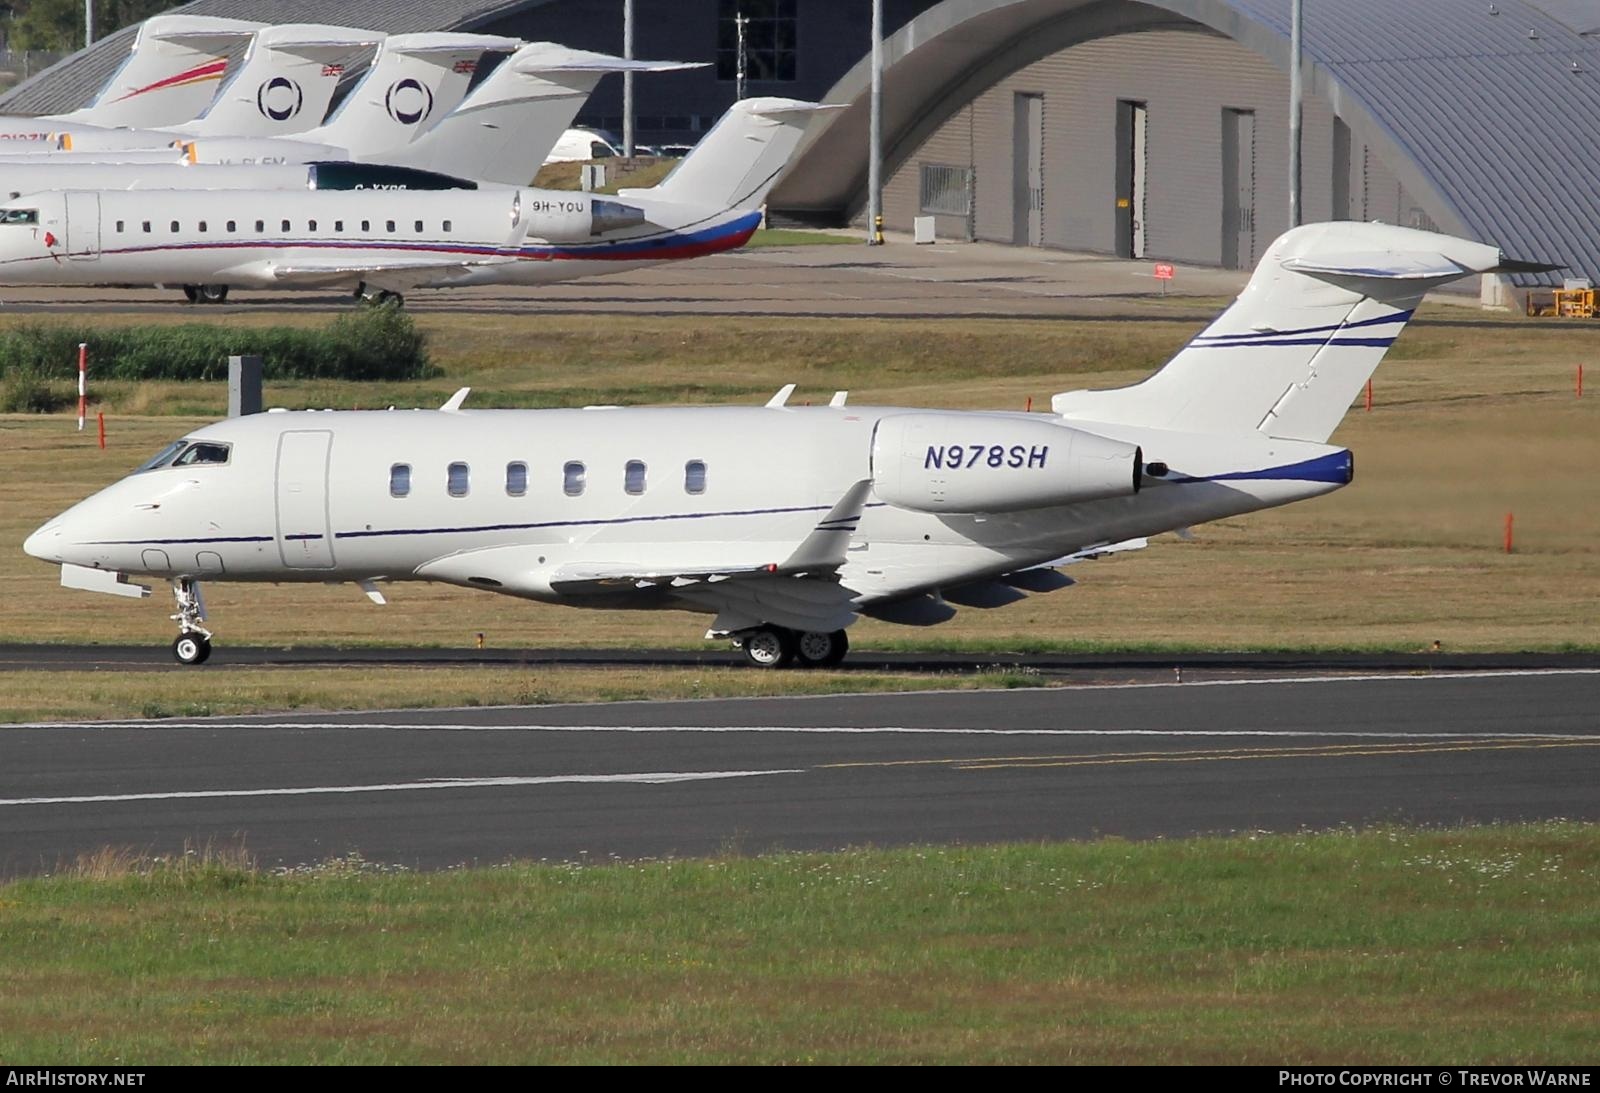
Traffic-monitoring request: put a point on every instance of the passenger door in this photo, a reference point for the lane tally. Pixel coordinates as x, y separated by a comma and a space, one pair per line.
305, 534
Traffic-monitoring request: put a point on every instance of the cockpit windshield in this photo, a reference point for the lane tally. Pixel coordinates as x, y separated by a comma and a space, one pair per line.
19, 216
187, 453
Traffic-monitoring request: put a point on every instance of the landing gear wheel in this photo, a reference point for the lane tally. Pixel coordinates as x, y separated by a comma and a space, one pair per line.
191, 293
192, 648
769, 647
211, 294
821, 649
384, 298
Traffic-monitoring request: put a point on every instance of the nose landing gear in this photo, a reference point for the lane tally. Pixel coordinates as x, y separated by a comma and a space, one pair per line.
193, 643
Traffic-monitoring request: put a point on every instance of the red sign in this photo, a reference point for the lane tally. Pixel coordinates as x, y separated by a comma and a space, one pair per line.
1164, 271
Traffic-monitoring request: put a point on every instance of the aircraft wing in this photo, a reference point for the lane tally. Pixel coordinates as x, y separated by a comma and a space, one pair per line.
395, 274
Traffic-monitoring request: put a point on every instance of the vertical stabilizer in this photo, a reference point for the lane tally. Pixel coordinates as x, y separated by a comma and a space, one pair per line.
171, 74
285, 83
414, 81
736, 164
509, 123
1295, 349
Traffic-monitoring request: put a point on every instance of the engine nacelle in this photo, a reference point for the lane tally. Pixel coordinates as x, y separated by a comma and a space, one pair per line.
982, 463
576, 218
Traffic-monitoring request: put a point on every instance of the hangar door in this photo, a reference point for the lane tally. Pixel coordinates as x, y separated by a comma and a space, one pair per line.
1238, 189
305, 540
1132, 154
1027, 171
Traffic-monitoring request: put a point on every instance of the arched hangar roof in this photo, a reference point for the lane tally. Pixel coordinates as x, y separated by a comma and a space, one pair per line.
1484, 109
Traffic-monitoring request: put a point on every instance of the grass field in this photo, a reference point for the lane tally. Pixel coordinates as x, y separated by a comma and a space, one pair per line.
1389, 946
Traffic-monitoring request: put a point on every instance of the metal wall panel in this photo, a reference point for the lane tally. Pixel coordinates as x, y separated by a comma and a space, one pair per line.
1186, 79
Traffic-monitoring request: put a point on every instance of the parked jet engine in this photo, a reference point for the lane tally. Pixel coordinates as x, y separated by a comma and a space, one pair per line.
983, 463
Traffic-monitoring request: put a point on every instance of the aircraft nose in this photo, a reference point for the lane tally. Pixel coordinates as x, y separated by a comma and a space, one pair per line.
45, 544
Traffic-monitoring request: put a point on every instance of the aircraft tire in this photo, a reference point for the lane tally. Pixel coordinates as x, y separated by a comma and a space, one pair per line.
191, 293
821, 649
211, 294
769, 647
191, 648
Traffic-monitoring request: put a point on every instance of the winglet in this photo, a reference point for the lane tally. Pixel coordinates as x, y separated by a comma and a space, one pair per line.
838, 398
781, 399
825, 547
454, 402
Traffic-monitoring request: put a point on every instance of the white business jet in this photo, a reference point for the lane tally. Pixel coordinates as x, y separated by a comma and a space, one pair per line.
171, 73
783, 523
284, 84
386, 242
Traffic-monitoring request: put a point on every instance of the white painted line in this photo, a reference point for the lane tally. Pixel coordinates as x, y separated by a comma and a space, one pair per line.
666, 778
824, 730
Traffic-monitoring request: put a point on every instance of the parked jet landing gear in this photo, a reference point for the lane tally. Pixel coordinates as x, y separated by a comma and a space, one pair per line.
193, 643
380, 297
205, 294
777, 647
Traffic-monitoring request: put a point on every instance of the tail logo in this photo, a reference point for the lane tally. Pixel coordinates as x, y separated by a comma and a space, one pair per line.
408, 101
279, 98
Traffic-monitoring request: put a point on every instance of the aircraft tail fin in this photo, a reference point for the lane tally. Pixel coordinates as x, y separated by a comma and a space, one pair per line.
1295, 349
172, 72
739, 160
285, 82
505, 128
415, 81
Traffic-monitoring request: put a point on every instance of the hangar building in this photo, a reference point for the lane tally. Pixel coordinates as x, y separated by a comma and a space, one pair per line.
1155, 128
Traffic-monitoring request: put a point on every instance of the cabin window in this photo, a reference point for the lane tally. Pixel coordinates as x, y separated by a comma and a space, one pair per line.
147, 227
338, 225
633, 476
202, 452
311, 225
174, 225
366, 225
202, 225
400, 480
19, 216
390, 224
447, 226
419, 227
232, 226
516, 479
119, 227
285, 225
459, 479
694, 476
572, 476
261, 225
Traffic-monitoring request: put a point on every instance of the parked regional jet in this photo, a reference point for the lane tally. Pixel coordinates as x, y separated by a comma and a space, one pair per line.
847, 511
500, 133
385, 243
172, 72
284, 84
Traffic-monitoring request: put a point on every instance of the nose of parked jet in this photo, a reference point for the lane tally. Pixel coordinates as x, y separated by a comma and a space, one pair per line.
45, 544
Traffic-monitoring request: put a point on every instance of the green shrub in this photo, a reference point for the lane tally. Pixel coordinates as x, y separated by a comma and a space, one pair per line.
26, 391
367, 344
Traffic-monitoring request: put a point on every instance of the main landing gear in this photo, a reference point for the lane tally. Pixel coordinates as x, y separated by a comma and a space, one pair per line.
193, 643
778, 647
379, 297
205, 294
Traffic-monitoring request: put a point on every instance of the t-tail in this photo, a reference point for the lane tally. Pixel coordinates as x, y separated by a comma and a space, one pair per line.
737, 162
285, 82
506, 127
414, 82
1291, 354
172, 72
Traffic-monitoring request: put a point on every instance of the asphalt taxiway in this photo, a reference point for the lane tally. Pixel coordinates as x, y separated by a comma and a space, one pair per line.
438, 788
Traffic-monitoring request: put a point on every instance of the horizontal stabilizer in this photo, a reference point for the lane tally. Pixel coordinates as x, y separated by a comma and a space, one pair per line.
539, 57
1399, 267
1517, 265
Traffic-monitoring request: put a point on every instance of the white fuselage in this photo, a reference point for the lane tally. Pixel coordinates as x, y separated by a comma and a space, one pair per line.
298, 239
489, 501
